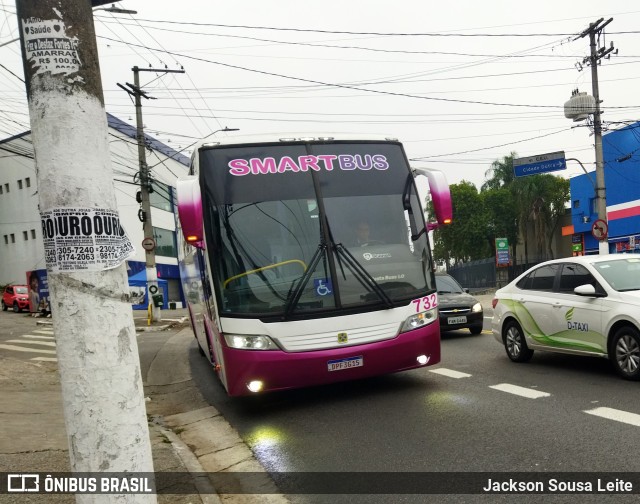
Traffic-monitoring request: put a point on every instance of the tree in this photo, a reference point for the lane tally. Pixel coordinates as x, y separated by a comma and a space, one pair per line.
500, 174
465, 238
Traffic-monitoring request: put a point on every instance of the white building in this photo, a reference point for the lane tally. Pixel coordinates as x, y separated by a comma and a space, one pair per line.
21, 245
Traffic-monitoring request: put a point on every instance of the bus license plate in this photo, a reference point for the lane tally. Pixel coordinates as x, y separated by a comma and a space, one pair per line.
457, 320
348, 363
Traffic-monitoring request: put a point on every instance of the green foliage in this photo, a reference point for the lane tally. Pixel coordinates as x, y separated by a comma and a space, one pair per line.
465, 238
506, 206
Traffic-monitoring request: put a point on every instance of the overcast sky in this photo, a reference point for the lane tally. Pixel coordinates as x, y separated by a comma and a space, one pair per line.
461, 83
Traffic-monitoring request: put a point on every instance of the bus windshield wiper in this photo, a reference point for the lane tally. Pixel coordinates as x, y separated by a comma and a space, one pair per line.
362, 275
296, 293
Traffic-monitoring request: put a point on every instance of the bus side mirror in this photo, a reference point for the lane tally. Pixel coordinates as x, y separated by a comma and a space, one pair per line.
440, 197
190, 211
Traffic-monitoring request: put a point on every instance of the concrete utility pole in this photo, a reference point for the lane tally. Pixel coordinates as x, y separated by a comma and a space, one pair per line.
85, 247
593, 60
146, 185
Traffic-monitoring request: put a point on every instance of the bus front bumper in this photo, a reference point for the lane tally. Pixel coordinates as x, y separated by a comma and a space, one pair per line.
277, 370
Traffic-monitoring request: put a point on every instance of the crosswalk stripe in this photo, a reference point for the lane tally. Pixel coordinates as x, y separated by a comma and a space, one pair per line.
44, 343
46, 359
31, 336
23, 349
617, 415
520, 391
450, 373
43, 331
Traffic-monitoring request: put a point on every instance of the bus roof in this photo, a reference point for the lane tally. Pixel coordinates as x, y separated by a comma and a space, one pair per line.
258, 138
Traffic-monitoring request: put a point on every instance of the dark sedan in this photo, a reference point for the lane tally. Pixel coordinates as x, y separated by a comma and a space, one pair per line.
456, 307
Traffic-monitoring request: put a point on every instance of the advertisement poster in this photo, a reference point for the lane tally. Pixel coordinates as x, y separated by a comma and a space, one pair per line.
38, 291
84, 239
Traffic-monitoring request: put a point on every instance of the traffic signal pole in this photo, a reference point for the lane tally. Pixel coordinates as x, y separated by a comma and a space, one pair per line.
85, 246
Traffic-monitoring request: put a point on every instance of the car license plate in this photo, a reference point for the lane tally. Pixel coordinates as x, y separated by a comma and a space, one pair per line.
348, 363
457, 320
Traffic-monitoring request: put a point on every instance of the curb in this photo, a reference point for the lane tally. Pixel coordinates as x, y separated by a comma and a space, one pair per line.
200, 436
208, 494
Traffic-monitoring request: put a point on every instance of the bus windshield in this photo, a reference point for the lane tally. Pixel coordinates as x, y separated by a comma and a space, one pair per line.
305, 228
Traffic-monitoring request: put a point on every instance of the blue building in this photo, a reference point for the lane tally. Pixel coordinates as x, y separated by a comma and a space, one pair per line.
621, 153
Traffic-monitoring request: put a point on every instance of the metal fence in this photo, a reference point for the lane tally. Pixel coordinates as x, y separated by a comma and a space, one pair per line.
483, 274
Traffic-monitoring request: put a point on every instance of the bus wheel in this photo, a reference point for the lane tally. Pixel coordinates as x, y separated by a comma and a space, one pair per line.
515, 344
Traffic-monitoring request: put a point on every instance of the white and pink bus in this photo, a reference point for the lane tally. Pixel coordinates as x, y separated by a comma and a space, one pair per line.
306, 261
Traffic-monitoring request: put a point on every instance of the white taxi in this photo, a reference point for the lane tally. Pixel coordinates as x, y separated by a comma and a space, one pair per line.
587, 305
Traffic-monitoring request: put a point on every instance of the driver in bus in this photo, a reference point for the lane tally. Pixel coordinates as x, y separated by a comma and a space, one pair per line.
362, 235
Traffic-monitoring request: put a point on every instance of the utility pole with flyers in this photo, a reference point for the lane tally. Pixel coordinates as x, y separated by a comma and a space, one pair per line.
97, 351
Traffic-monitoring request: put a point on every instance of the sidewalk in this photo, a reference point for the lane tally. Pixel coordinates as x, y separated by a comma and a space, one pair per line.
188, 436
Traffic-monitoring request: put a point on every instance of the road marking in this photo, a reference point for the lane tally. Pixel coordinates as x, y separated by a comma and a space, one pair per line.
23, 349
617, 415
450, 373
521, 391
44, 343
43, 331
31, 336
47, 359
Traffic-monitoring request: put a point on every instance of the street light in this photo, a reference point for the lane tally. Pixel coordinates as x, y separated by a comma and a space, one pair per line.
116, 10
226, 128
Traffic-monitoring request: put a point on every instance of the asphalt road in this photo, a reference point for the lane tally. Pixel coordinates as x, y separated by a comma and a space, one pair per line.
465, 415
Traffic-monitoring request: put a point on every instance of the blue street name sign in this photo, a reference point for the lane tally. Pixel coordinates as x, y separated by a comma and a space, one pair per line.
541, 163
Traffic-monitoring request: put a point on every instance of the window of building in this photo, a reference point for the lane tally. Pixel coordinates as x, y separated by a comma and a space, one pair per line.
162, 196
6, 188
6, 239
25, 235
165, 242
27, 181
19, 184
33, 234
13, 238
0, 189
576, 203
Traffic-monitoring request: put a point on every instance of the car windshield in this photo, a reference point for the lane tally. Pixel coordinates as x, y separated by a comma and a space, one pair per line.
621, 275
21, 290
447, 285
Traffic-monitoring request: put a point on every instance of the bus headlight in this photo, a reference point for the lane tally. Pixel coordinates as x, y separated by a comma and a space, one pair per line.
419, 320
250, 342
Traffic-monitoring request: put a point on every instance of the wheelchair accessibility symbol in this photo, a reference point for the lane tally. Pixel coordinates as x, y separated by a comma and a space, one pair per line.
323, 286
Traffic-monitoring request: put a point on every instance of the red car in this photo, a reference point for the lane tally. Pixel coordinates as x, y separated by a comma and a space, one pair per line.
16, 297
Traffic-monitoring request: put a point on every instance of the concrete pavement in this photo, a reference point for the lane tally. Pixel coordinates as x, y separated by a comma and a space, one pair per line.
189, 438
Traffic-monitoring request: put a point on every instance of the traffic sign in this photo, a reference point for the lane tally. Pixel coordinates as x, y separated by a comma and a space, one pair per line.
153, 289
542, 163
600, 230
148, 244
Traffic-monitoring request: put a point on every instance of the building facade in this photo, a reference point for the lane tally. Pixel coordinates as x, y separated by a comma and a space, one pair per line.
21, 244
621, 154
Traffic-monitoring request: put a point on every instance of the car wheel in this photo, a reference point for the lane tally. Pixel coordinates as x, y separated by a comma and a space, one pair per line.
16, 307
625, 352
4, 306
515, 344
475, 329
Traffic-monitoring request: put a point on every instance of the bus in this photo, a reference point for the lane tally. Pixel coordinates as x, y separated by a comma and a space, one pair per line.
306, 261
